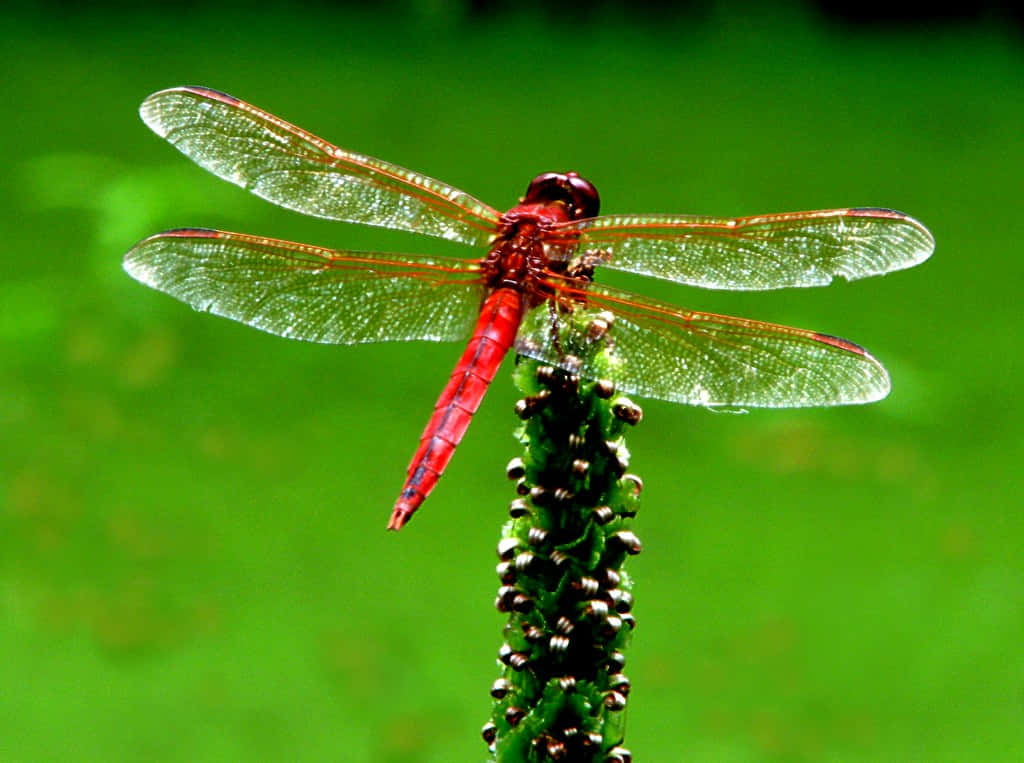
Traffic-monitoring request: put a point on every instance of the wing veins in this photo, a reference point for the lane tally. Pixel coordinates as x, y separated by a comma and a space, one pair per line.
239, 139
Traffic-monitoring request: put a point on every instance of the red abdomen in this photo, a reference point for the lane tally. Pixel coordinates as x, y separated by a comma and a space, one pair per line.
495, 331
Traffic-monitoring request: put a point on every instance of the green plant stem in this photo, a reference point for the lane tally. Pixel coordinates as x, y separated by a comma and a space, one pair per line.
569, 602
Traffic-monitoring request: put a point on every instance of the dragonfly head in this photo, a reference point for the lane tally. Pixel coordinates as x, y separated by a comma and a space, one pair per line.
578, 194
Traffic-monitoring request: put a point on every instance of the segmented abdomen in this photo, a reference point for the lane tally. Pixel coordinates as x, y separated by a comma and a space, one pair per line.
500, 317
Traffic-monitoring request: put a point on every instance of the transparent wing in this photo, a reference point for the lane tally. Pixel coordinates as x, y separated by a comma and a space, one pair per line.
297, 170
754, 253
710, 360
305, 292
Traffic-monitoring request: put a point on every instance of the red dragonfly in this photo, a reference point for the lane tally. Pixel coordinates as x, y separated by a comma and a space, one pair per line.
535, 263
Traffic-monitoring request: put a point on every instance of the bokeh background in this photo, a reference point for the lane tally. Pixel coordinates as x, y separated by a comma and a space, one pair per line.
193, 563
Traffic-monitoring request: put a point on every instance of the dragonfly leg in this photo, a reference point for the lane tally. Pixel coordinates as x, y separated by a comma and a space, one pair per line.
556, 339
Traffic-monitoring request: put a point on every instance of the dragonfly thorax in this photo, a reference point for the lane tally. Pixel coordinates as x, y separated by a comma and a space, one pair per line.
518, 250
523, 249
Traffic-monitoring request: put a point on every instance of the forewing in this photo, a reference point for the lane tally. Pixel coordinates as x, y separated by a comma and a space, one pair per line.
297, 170
305, 292
756, 253
709, 360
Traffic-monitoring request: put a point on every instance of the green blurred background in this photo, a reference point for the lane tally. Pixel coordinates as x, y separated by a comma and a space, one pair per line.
193, 562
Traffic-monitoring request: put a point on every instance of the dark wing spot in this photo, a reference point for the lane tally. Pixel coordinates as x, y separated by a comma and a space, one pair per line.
191, 233
215, 95
842, 344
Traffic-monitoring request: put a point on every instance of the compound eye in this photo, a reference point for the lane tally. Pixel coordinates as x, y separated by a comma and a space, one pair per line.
586, 201
545, 187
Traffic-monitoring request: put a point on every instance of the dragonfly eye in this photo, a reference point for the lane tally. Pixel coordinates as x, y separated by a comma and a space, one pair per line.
587, 203
575, 192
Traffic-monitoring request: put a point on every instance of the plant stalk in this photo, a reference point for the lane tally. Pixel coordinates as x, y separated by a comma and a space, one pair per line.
569, 601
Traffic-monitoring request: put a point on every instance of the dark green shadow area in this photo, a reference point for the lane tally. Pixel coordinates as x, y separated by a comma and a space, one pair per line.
193, 563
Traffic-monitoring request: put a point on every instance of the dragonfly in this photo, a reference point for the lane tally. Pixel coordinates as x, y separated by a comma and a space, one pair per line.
534, 265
